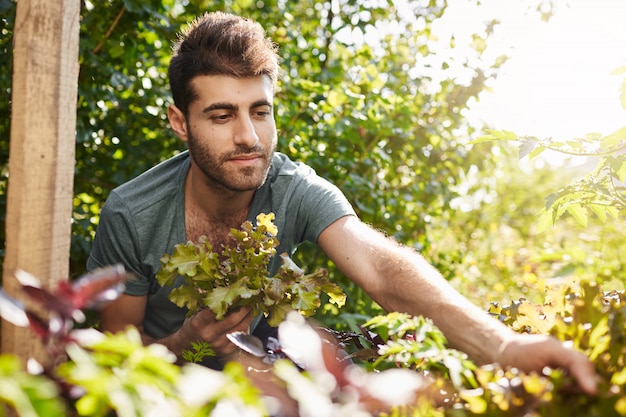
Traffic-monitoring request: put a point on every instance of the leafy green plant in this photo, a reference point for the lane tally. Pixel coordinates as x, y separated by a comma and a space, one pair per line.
462, 388
396, 340
96, 374
199, 350
601, 191
116, 372
592, 321
416, 343
237, 276
29, 395
581, 314
388, 136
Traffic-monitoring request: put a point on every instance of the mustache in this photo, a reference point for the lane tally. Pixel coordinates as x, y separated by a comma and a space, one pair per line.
243, 150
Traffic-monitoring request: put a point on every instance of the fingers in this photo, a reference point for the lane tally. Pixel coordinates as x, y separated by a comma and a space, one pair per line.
580, 367
534, 352
205, 326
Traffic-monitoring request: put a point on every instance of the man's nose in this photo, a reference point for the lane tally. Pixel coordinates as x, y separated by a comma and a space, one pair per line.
245, 134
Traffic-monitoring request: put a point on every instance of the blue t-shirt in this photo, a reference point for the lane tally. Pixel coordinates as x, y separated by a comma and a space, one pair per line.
144, 219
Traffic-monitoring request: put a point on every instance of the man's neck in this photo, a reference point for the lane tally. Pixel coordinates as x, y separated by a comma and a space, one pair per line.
215, 202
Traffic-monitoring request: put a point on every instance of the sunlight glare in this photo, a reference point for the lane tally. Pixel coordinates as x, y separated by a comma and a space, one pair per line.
558, 82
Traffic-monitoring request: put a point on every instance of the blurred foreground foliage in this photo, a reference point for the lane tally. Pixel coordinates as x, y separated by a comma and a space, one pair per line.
398, 366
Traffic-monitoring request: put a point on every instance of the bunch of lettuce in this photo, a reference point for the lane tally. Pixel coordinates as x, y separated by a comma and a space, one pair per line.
238, 276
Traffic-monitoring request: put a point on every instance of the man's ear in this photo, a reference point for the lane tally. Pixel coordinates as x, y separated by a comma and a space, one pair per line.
178, 122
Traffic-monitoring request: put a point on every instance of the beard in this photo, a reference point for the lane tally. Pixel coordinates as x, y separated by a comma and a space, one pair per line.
219, 172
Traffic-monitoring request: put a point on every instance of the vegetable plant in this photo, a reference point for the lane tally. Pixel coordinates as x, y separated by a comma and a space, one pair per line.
236, 276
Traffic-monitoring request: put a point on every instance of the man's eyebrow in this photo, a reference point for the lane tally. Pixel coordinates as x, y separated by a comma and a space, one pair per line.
219, 106
230, 106
260, 103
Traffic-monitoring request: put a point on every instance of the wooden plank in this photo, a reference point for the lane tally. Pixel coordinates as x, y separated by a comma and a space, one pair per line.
41, 158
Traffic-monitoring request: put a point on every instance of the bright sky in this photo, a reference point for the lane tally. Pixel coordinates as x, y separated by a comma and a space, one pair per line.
558, 81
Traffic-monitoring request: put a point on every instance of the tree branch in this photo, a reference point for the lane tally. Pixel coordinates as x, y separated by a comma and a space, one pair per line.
106, 35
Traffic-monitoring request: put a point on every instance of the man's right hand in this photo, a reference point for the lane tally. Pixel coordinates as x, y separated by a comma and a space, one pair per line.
130, 310
204, 326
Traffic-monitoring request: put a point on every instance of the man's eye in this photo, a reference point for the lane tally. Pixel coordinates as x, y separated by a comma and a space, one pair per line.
261, 114
220, 117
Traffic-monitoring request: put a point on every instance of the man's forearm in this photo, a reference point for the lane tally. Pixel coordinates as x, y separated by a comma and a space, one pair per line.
415, 287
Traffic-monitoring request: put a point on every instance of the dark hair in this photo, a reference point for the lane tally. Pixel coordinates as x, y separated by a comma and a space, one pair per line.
219, 44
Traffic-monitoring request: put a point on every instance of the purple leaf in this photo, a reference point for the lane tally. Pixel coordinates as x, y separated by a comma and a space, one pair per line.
37, 325
96, 287
51, 302
70, 298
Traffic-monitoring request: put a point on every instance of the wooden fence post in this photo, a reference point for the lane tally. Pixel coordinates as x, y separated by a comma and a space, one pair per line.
41, 154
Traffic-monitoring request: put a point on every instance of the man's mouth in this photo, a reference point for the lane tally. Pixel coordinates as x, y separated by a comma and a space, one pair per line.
246, 159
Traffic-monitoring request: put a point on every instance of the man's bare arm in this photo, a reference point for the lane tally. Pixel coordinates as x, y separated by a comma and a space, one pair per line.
400, 279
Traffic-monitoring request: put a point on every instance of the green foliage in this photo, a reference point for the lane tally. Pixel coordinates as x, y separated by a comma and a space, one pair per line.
121, 128
591, 320
373, 120
7, 21
495, 246
116, 373
371, 116
601, 192
199, 351
28, 395
237, 276
416, 343
594, 322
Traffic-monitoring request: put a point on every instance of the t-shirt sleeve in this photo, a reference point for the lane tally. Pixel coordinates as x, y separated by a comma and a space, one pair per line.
314, 204
326, 204
116, 242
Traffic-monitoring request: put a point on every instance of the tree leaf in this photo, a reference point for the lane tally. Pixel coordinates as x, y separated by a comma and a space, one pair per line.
620, 170
526, 146
494, 135
579, 213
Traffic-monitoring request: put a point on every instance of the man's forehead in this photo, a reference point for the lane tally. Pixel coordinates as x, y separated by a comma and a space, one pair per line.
237, 91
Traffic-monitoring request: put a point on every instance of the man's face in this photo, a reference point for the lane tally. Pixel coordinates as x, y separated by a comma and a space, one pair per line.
231, 132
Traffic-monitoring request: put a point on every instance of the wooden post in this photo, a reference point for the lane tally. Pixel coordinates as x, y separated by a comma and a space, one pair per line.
41, 153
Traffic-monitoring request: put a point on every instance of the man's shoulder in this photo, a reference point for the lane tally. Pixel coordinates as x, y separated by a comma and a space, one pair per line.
159, 182
283, 166
288, 177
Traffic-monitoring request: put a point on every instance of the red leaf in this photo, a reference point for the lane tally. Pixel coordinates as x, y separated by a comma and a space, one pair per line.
51, 302
38, 325
97, 287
